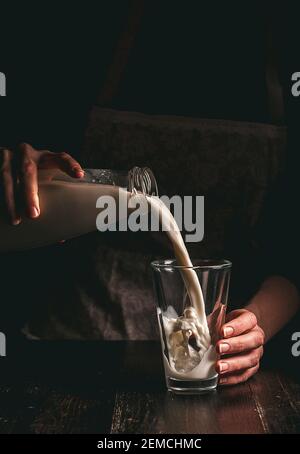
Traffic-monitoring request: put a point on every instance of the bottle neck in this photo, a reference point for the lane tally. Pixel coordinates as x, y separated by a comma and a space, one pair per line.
142, 180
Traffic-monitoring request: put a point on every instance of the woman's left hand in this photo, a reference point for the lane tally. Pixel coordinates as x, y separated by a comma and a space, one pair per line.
241, 347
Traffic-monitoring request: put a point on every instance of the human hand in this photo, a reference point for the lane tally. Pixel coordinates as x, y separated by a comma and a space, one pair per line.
241, 347
19, 176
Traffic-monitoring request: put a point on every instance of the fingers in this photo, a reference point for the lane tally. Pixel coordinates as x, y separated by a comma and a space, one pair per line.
241, 323
31, 160
29, 180
28, 161
255, 338
240, 362
64, 162
26, 148
69, 165
8, 186
239, 377
243, 346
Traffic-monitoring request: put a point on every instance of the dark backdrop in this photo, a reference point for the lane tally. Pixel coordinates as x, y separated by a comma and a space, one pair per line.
205, 59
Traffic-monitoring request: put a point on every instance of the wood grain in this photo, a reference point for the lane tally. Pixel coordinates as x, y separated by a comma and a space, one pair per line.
277, 400
230, 410
42, 410
118, 388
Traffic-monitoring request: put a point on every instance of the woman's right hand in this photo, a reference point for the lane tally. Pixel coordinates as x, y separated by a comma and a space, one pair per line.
19, 177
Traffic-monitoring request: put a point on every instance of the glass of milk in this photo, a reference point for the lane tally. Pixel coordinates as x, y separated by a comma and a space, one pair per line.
191, 307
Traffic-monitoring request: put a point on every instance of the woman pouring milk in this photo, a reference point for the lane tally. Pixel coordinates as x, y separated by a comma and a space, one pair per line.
48, 96
245, 331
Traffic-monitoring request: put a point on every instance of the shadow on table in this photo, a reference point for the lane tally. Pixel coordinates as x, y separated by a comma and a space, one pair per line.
90, 366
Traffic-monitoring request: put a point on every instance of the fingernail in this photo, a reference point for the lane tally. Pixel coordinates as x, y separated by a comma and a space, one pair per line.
78, 172
224, 348
228, 331
223, 367
222, 381
16, 221
34, 212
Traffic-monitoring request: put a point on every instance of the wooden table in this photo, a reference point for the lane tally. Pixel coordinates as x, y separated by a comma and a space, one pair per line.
118, 387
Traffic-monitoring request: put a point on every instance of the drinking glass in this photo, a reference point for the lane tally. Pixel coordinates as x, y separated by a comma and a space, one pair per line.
189, 334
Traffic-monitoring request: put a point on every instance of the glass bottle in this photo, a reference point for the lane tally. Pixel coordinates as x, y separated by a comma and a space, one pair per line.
68, 205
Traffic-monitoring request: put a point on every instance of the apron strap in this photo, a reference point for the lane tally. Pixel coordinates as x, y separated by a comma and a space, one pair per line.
121, 55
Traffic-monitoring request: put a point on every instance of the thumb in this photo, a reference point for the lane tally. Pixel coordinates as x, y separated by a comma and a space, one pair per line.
67, 164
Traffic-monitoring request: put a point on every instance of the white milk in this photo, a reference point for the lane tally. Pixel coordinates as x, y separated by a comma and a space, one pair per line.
68, 209
185, 362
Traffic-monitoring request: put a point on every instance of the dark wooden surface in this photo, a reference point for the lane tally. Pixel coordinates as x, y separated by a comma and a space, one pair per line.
118, 387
